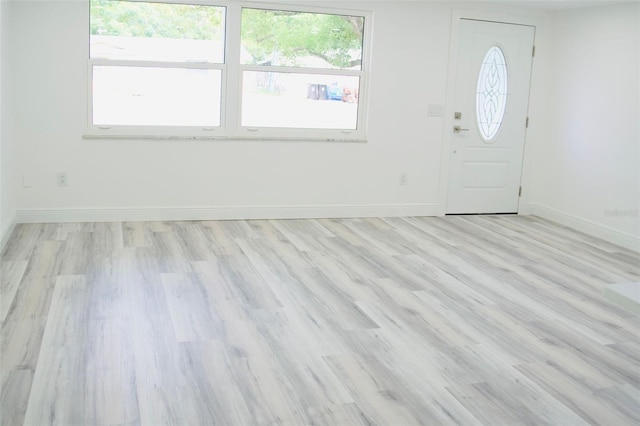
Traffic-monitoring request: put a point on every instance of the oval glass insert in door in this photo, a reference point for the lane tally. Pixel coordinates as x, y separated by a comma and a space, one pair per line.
491, 97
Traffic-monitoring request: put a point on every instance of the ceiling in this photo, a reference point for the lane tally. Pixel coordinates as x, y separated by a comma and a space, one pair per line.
561, 4
533, 4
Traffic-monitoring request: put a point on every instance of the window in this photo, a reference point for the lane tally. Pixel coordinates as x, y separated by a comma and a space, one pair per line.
169, 69
154, 64
491, 96
300, 70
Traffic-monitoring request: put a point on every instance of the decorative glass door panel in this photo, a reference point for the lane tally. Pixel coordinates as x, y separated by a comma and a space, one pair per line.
491, 97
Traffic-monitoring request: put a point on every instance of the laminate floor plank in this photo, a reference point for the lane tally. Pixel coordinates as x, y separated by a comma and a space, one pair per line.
338, 228
269, 398
567, 242
454, 286
407, 308
479, 321
164, 374
411, 226
624, 368
24, 238
11, 273
624, 399
487, 246
99, 378
382, 236
241, 281
135, 234
363, 262
193, 315
381, 396
582, 401
301, 365
223, 235
23, 329
64, 229
496, 320
172, 255
564, 233
193, 241
56, 396
283, 253
591, 290
16, 386
299, 233
577, 311
330, 301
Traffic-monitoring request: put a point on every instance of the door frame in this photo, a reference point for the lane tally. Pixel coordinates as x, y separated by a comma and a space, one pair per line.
448, 122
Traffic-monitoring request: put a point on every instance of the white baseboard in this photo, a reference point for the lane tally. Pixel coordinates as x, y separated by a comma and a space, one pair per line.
606, 233
5, 233
296, 212
222, 213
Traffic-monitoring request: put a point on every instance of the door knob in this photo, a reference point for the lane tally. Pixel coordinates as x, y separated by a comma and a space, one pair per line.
458, 129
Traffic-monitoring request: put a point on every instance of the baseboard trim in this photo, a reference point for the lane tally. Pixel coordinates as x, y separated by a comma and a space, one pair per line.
294, 212
222, 213
5, 234
606, 233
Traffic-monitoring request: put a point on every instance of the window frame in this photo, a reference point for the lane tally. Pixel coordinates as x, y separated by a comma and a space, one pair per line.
231, 80
147, 131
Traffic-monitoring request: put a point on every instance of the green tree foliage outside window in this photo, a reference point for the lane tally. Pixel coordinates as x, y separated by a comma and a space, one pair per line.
281, 37
157, 20
269, 36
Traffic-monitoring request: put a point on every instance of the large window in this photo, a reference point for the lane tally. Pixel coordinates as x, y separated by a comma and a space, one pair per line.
155, 64
300, 69
226, 70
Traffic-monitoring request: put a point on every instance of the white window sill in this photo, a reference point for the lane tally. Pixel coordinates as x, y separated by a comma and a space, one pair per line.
219, 138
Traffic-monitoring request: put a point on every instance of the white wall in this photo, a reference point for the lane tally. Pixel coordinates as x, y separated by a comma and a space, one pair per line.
7, 187
228, 179
582, 150
582, 156
586, 167
51, 111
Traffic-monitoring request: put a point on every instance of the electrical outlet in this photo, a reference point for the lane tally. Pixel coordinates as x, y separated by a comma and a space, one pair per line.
403, 179
62, 179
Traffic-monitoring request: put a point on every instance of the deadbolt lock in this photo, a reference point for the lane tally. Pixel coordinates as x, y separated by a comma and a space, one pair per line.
457, 115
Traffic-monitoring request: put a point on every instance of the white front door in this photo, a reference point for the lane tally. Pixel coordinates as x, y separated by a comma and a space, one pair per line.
490, 104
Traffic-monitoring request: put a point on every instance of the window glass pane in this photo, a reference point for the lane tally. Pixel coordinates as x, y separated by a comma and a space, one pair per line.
491, 97
156, 96
314, 40
308, 101
156, 31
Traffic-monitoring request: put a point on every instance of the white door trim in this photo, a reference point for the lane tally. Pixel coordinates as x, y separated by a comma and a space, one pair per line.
456, 17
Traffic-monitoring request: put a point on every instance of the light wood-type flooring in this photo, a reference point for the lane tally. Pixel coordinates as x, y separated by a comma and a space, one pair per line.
401, 321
